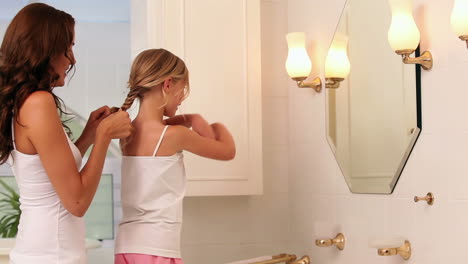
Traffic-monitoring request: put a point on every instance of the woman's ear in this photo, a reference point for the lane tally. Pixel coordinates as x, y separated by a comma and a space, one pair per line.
167, 84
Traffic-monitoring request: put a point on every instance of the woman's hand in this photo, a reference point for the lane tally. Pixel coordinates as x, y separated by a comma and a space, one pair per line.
116, 126
95, 118
89, 132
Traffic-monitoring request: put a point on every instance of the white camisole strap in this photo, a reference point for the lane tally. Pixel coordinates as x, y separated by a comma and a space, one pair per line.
13, 132
160, 140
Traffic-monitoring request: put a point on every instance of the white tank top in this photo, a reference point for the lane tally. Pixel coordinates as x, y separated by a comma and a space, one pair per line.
153, 188
47, 232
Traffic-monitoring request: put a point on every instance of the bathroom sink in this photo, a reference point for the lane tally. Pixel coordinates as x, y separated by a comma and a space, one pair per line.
6, 244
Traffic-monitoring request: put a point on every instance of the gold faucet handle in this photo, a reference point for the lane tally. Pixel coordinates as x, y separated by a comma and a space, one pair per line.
404, 251
387, 251
304, 260
339, 241
429, 198
323, 242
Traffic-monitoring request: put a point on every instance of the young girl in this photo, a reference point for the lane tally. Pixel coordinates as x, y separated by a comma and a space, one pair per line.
153, 174
35, 56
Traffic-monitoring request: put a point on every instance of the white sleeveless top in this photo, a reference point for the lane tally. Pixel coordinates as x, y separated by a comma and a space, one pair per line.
47, 232
153, 188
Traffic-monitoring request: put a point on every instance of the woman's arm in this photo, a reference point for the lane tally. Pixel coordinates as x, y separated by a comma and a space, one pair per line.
75, 188
89, 132
220, 148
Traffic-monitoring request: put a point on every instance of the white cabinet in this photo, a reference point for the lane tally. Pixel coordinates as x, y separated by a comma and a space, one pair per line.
220, 42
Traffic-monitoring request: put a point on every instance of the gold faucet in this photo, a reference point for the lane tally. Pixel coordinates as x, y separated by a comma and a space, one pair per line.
429, 198
339, 241
404, 251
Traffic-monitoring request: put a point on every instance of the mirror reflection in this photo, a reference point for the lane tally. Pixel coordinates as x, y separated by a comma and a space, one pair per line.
373, 115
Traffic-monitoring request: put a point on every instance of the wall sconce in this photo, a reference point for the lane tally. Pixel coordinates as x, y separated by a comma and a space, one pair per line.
459, 19
298, 64
404, 36
337, 65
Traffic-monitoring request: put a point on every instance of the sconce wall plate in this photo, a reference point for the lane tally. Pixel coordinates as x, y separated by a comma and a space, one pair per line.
425, 60
316, 83
333, 83
465, 38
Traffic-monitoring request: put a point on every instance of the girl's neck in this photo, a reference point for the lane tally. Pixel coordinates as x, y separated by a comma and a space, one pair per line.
150, 108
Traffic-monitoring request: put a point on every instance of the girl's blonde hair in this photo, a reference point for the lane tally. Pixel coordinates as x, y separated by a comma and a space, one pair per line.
149, 69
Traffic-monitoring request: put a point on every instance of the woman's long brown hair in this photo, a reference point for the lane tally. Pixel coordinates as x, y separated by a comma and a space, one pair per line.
36, 34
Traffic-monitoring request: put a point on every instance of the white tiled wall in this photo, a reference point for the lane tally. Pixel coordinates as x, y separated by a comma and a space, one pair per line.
319, 198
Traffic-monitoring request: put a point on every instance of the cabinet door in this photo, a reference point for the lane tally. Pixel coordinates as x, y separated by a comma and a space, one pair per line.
220, 42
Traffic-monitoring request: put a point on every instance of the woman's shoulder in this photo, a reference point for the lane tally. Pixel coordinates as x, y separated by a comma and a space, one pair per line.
39, 99
37, 108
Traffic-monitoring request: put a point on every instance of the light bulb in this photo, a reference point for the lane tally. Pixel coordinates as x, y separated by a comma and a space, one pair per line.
459, 18
337, 64
403, 33
298, 63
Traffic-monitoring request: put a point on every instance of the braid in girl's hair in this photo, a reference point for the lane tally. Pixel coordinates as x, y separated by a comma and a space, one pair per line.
149, 69
131, 96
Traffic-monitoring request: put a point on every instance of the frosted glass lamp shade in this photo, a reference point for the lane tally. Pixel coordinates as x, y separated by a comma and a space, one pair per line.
459, 18
337, 64
298, 63
403, 33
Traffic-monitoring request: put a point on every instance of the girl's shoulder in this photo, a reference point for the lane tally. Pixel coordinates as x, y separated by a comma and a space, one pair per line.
175, 133
146, 136
176, 130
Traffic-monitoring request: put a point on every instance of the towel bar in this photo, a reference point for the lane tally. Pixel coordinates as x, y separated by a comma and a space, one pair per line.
285, 258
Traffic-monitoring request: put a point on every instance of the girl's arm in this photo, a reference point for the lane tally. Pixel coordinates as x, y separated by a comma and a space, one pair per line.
89, 133
220, 148
75, 188
194, 121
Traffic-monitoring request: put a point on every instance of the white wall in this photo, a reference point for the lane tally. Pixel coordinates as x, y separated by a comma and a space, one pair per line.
320, 201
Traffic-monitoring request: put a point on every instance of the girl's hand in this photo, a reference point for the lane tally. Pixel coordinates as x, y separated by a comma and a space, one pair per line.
115, 126
95, 118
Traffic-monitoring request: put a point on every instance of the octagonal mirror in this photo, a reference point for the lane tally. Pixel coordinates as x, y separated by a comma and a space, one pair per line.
374, 115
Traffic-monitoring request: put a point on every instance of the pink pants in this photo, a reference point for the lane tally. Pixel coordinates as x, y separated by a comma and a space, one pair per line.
131, 258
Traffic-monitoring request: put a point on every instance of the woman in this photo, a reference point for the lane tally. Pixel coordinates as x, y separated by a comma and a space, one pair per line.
35, 56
